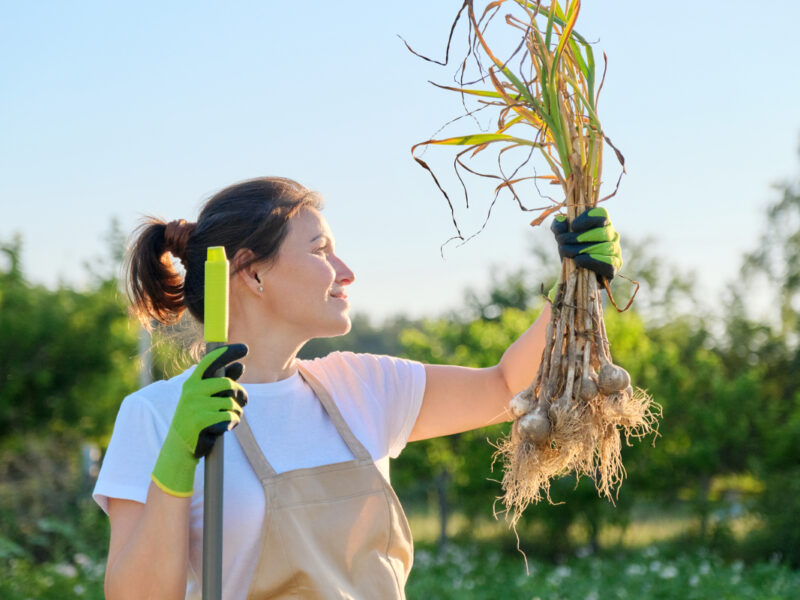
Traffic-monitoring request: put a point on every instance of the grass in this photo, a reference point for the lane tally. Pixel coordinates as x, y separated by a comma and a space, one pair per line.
478, 571
653, 558
648, 527
651, 562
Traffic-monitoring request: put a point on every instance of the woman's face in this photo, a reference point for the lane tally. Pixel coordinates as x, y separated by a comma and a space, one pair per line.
305, 286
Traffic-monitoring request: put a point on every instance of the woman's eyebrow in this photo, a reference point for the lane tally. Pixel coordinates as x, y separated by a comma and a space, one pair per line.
321, 235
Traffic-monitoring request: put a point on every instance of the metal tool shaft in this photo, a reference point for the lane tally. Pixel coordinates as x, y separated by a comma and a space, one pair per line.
212, 511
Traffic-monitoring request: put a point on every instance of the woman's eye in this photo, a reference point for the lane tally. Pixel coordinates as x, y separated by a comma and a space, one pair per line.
320, 250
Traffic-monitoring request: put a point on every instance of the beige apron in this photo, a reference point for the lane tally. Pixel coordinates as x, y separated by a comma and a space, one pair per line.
335, 531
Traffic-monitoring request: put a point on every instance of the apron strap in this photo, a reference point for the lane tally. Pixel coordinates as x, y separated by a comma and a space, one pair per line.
356, 447
252, 450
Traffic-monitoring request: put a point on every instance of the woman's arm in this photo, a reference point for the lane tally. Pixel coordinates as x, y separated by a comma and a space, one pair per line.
460, 398
148, 553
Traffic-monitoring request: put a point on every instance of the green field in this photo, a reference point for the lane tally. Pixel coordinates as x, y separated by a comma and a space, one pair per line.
474, 571
653, 558
650, 560
480, 571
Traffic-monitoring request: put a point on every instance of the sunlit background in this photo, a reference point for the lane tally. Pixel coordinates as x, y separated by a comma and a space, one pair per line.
111, 111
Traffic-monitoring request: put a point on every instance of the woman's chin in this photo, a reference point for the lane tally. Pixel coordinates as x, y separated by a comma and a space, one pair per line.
346, 325
336, 327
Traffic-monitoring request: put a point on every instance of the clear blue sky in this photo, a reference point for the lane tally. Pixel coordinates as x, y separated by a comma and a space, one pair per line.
113, 110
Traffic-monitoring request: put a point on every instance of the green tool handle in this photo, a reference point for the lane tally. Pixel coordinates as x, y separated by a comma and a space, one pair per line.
215, 332
212, 510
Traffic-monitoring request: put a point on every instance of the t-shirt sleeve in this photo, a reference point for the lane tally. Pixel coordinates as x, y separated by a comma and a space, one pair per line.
135, 443
398, 385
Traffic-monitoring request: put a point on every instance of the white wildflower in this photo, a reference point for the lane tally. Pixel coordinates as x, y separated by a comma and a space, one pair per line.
655, 566
635, 570
705, 568
694, 580
422, 558
82, 560
66, 570
493, 558
79, 590
669, 572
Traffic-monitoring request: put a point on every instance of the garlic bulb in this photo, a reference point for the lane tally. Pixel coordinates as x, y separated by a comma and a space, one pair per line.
612, 378
588, 389
535, 425
558, 409
520, 404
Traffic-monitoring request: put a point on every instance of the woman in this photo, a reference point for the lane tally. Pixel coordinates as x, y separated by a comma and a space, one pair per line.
309, 511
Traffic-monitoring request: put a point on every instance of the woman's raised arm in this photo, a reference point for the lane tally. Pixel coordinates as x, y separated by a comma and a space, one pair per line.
461, 398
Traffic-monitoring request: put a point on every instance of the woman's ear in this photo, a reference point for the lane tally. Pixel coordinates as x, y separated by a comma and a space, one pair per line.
249, 274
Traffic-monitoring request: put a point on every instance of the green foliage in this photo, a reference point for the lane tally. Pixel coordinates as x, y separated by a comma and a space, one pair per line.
772, 349
79, 576
67, 358
46, 513
707, 427
67, 355
779, 507
363, 337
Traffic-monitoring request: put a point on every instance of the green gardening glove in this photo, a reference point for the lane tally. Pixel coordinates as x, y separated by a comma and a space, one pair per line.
208, 407
592, 242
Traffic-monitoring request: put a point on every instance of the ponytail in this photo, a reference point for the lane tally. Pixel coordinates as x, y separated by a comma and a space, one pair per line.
155, 288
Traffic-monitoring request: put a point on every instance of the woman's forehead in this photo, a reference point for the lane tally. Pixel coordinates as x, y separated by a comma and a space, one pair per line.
309, 224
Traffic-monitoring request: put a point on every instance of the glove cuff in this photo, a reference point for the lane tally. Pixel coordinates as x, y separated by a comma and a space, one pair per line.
175, 468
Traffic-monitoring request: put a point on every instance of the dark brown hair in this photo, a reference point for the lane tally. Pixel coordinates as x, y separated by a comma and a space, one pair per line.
253, 214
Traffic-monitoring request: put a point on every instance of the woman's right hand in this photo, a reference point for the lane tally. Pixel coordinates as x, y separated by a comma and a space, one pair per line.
208, 407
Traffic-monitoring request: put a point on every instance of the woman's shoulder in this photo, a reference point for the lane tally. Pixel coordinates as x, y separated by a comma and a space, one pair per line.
366, 368
159, 397
345, 362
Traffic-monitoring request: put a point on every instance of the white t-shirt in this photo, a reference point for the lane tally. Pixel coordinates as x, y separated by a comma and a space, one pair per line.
379, 398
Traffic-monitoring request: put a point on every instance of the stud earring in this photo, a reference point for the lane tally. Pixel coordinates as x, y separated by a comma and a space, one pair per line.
260, 289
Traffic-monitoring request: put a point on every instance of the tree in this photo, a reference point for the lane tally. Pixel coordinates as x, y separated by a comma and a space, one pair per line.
67, 358
774, 349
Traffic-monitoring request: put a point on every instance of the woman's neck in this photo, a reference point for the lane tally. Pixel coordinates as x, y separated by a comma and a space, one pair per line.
269, 358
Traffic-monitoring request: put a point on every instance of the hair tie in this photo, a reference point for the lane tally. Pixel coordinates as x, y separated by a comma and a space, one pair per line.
176, 236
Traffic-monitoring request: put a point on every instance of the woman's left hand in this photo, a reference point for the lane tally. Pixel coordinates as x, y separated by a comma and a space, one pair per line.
592, 242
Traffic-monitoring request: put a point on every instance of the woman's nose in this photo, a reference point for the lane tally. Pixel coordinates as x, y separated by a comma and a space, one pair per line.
343, 273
